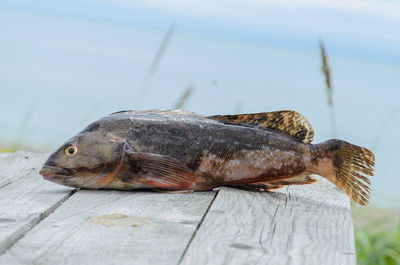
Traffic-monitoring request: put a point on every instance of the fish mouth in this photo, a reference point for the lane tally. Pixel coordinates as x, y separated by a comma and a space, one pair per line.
51, 172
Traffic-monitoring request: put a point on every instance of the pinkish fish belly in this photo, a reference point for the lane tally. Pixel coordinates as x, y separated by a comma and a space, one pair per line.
249, 166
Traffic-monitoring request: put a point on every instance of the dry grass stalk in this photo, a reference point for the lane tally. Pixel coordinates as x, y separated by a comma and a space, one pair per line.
329, 89
181, 102
155, 63
161, 51
327, 73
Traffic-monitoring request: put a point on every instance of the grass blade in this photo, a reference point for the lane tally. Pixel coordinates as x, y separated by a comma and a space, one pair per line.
180, 103
155, 63
329, 89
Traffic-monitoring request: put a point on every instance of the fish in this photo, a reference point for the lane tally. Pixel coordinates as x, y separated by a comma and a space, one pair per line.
180, 151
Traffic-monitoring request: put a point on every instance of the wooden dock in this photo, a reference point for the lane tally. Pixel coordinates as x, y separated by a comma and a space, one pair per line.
44, 223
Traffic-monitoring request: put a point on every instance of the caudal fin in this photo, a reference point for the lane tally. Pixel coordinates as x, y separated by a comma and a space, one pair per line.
348, 167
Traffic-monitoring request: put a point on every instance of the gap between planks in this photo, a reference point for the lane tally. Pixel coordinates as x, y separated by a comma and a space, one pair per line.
198, 226
22, 231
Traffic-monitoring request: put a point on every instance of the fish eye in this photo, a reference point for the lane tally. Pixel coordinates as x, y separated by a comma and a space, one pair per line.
71, 150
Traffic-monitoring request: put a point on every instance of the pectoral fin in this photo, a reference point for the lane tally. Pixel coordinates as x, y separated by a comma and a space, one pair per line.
157, 171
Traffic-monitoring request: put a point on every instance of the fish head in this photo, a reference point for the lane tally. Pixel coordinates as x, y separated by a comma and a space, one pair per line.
88, 160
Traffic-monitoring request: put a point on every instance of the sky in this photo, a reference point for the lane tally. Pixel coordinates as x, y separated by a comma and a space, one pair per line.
64, 65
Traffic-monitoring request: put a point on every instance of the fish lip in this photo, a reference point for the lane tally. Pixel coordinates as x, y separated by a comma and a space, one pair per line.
52, 172
53, 176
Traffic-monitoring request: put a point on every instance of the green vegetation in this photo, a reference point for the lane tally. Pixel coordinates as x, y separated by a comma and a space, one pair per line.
377, 246
377, 235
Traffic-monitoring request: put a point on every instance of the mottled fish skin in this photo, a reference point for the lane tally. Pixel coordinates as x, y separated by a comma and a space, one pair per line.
219, 154
177, 150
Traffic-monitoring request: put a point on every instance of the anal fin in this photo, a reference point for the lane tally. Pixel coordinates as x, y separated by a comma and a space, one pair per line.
258, 186
302, 180
278, 184
173, 191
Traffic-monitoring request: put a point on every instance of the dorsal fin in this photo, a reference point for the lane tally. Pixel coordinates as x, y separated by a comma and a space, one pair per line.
286, 121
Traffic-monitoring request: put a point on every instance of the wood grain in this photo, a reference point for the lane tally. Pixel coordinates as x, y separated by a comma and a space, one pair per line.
16, 165
297, 225
113, 227
25, 198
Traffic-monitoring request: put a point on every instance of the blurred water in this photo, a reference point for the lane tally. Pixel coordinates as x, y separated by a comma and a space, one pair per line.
63, 67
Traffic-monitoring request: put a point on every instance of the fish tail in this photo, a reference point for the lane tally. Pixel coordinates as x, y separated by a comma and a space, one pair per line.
347, 166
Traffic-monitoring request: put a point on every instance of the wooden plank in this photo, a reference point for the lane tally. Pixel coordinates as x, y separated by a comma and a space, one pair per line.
113, 227
296, 225
25, 198
16, 165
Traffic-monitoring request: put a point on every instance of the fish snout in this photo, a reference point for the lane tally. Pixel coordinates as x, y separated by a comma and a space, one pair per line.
51, 172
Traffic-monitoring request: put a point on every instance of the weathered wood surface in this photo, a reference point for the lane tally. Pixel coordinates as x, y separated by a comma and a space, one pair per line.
25, 199
112, 227
297, 225
43, 223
